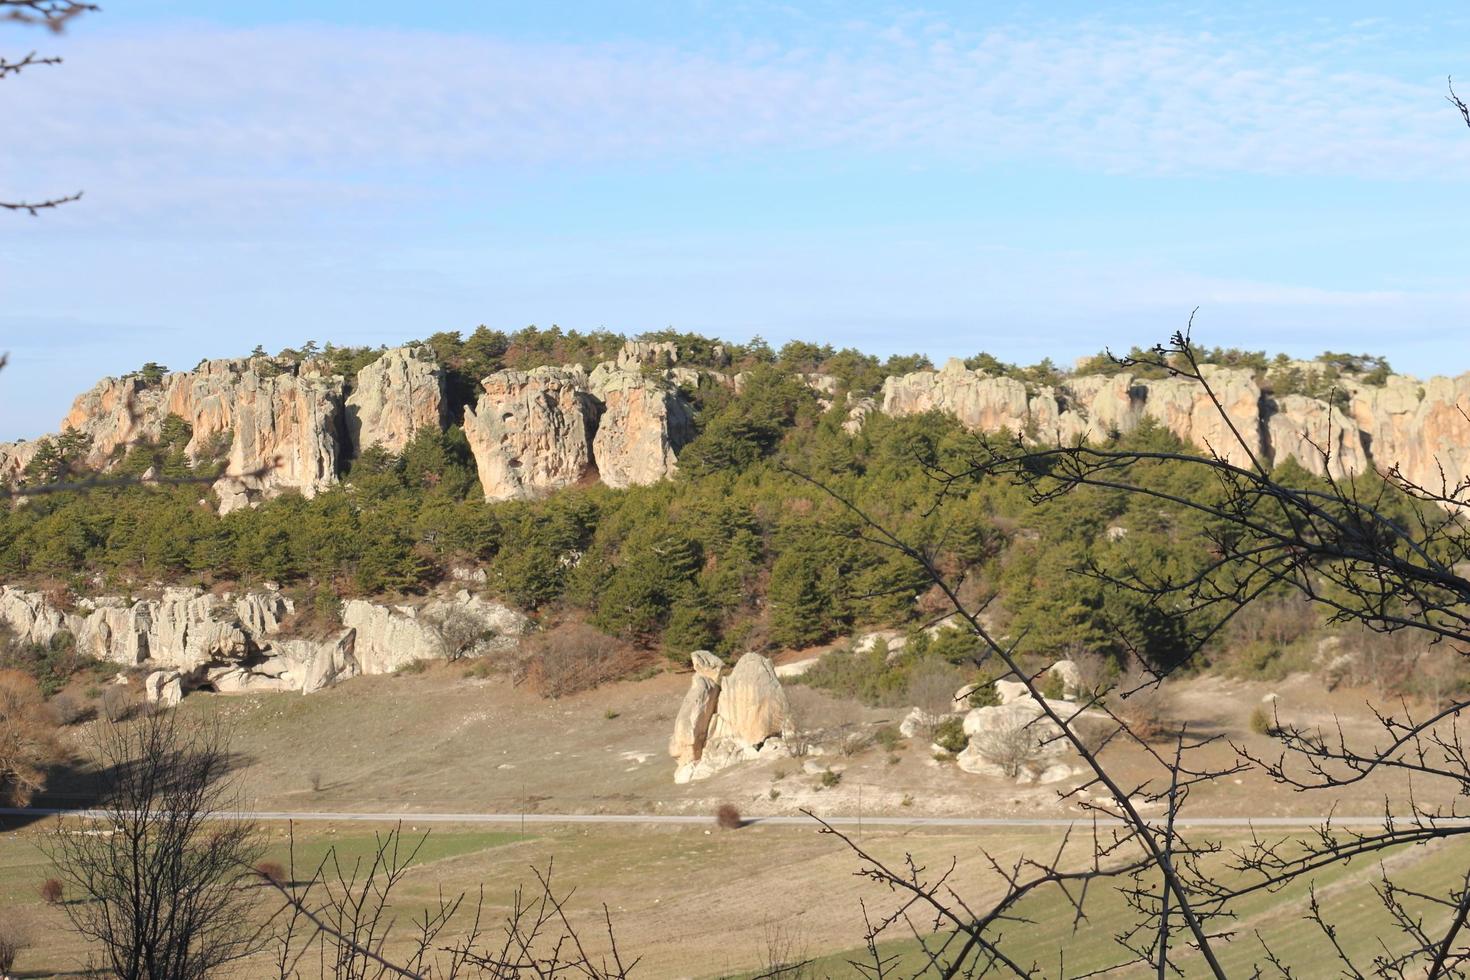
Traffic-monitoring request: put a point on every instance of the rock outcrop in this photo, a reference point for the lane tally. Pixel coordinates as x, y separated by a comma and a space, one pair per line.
532, 431
536, 431
1018, 741
644, 424
723, 721
232, 643
283, 424
388, 637
1414, 426
396, 397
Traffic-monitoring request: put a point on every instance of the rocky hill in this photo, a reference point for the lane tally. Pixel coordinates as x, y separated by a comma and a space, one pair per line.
291, 424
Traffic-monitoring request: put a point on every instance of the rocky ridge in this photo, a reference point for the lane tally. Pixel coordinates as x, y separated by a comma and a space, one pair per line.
231, 643
289, 425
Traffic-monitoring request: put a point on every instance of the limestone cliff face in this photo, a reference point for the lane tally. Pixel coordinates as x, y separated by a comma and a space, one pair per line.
284, 425
643, 426
14, 458
535, 431
532, 431
1405, 423
396, 397
234, 643
279, 424
1417, 427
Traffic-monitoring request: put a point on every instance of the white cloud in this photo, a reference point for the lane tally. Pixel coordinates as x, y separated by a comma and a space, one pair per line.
166, 112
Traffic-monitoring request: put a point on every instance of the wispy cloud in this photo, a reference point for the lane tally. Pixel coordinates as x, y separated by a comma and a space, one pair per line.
292, 106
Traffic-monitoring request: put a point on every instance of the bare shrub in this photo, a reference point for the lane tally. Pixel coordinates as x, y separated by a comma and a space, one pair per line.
575, 657
1095, 673
932, 684
458, 631
785, 955
118, 703
727, 817
163, 891
1013, 746
11, 944
51, 891
1143, 704
28, 738
69, 710
273, 872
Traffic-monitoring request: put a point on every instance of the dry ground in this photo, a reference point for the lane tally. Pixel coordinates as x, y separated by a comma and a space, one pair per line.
446, 741
692, 902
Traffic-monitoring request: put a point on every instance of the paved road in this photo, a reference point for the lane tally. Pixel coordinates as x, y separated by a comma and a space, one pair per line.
798, 821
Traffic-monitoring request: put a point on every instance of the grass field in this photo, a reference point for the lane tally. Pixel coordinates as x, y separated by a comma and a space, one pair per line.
709, 903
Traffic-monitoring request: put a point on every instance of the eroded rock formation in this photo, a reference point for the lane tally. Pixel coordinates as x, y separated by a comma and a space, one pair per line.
643, 426
234, 643
532, 431
1414, 426
294, 425
396, 397
729, 719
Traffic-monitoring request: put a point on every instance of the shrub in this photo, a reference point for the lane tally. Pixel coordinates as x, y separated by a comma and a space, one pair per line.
853, 743
412, 667
727, 817
51, 891
774, 794
314, 780
28, 739
950, 736
1261, 721
932, 683
610, 714
984, 695
1052, 686
271, 871
1144, 705
70, 711
830, 779
1012, 747
118, 703
889, 737
11, 944
574, 658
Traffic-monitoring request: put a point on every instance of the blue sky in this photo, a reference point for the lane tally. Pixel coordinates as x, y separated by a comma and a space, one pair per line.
1028, 179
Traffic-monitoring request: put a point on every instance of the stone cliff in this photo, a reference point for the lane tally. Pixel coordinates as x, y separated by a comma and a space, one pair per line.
233, 643
293, 425
1405, 424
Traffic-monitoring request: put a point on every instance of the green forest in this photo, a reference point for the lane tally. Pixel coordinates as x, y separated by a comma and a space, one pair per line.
738, 552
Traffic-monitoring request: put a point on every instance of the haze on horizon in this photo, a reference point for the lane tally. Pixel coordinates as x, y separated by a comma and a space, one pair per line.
1031, 180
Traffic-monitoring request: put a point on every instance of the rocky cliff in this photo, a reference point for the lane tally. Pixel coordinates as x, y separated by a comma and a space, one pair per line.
533, 431
1413, 426
234, 643
281, 424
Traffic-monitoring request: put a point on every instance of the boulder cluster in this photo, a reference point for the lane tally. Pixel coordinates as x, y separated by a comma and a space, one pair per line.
728, 718
1016, 739
235, 643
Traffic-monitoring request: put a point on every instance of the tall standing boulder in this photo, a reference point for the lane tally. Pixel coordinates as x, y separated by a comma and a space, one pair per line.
753, 705
691, 725
532, 431
394, 398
